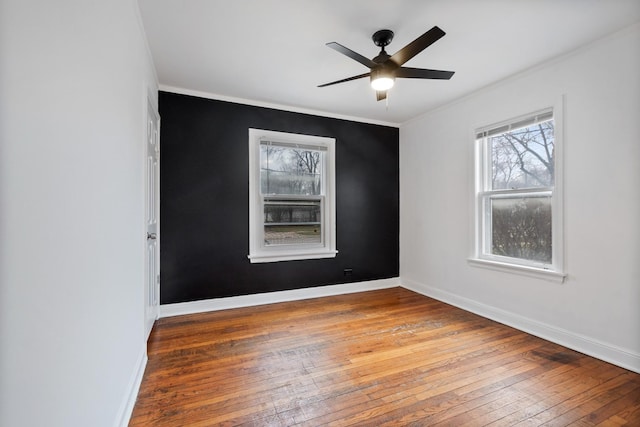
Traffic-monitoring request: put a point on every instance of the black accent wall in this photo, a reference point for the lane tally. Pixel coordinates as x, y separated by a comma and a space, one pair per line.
204, 201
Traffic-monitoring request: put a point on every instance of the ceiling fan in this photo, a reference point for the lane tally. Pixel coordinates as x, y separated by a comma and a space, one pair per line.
385, 68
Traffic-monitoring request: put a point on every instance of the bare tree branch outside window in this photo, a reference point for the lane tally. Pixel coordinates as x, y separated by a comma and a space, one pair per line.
523, 158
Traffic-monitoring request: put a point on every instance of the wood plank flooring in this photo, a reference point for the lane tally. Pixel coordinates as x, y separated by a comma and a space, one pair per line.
382, 358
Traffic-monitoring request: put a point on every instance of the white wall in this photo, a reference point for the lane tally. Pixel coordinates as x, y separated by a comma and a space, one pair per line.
597, 309
74, 77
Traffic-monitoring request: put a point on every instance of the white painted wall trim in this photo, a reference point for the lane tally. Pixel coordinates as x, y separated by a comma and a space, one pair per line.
207, 95
145, 41
584, 344
523, 270
126, 407
168, 310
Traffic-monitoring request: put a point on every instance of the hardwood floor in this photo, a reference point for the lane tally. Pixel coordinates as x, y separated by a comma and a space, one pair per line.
388, 357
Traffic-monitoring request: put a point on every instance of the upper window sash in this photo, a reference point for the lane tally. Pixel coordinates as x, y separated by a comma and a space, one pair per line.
502, 149
519, 123
294, 169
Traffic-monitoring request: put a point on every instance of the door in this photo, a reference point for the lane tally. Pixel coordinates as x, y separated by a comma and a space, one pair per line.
152, 220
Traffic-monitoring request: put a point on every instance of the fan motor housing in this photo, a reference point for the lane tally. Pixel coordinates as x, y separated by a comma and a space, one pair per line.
382, 38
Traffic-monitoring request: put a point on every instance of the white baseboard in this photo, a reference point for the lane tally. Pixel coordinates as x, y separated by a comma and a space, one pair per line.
126, 408
168, 310
584, 344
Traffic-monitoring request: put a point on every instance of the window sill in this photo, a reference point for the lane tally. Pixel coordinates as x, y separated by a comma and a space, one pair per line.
538, 273
290, 256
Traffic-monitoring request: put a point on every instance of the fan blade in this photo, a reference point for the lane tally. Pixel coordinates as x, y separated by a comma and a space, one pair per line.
348, 79
422, 73
353, 55
417, 46
381, 94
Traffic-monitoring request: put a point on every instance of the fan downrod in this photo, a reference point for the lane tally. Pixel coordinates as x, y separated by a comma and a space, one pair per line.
382, 38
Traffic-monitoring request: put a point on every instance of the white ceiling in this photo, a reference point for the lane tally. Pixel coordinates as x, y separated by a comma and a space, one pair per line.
273, 51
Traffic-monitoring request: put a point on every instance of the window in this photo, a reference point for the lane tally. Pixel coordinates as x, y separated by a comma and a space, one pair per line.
291, 196
518, 202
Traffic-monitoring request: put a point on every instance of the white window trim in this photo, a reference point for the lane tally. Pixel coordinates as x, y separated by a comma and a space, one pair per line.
258, 252
555, 271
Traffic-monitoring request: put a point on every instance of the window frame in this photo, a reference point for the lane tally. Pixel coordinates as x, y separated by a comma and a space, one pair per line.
259, 252
482, 256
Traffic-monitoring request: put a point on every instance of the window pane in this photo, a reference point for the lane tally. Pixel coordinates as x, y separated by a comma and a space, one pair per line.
521, 228
292, 234
523, 158
289, 222
290, 171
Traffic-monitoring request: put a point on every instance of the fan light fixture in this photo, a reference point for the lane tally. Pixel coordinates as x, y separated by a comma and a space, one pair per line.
382, 79
382, 83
